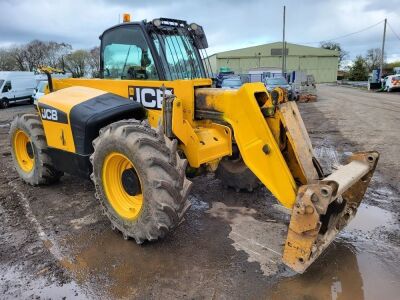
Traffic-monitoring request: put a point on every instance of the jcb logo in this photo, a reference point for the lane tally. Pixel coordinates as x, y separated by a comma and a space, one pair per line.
149, 97
49, 114
52, 114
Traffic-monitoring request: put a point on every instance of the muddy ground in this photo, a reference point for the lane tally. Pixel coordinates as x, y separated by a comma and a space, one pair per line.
55, 243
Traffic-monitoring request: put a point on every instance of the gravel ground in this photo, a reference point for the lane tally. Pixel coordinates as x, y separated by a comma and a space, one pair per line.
55, 242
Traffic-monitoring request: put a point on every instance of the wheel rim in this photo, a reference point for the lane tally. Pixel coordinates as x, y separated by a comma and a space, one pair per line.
122, 186
24, 151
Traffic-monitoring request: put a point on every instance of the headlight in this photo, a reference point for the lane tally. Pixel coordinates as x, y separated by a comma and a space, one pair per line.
157, 22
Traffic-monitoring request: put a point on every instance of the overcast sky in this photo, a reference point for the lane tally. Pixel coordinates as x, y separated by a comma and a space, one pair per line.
229, 24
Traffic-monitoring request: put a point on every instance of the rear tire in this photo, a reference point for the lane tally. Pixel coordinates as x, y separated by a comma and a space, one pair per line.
29, 151
160, 173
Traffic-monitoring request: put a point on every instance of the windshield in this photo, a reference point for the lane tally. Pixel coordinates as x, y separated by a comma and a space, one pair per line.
41, 86
231, 82
126, 55
276, 81
179, 56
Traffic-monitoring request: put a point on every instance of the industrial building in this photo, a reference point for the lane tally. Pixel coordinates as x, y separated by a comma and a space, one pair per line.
321, 63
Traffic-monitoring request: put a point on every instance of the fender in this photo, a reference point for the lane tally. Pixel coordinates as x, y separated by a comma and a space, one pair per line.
72, 117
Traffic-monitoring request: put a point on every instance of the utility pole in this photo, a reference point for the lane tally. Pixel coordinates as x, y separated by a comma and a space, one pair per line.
383, 50
284, 43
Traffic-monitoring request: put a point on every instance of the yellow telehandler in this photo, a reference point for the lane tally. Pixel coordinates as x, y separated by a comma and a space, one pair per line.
154, 117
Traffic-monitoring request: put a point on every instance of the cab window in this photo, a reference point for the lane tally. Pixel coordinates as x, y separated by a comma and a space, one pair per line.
178, 55
126, 55
7, 87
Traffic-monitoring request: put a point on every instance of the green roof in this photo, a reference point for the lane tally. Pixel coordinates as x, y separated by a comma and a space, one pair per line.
265, 50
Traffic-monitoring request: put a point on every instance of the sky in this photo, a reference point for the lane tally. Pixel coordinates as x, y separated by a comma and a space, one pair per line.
229, 24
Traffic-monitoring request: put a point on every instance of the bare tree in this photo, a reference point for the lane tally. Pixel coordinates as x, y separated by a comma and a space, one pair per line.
18, 54
77, 63
94, 62
373, 58
31, 56
35, 53
56, 53
7, 61
335, 46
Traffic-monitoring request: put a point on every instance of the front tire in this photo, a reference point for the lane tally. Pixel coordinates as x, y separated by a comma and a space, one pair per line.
4, 103
235, 174
29, 151
140, 180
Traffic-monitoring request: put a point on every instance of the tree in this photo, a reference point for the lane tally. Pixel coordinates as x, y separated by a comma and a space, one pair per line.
18, 54
77, 63
56, 53
388, 67
31, 56
359, 70
373, 59
337, 47
7, 61
35, 53
94, 62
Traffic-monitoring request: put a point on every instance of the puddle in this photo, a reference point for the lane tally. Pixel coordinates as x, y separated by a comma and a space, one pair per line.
116, 269
369, 218
343, 273
12, 280
349, 271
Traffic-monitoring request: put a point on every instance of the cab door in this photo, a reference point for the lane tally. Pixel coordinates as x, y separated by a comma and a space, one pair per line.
7, 91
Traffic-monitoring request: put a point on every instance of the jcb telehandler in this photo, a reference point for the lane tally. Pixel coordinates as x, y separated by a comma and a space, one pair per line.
154, 117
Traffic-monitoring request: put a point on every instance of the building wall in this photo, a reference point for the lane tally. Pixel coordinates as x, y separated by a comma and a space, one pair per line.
321, 63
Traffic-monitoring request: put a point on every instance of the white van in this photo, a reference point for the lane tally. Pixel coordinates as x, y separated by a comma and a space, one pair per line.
16, 87
39, 91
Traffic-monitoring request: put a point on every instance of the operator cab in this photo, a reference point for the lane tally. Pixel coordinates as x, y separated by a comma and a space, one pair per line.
163, 49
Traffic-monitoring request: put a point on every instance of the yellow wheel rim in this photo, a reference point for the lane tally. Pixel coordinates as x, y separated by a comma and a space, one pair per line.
23, 151
122, 186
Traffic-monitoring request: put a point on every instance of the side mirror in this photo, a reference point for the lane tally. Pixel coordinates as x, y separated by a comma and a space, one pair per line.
199, 36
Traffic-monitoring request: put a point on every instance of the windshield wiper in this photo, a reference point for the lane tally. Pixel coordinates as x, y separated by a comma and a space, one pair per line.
126, 60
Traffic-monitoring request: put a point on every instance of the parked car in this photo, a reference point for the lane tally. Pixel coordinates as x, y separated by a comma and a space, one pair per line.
271, 83
39, 91
16, 87
223, 74
231, 83
392, 82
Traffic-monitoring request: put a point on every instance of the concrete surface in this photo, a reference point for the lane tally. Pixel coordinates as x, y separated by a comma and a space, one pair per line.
55, 243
